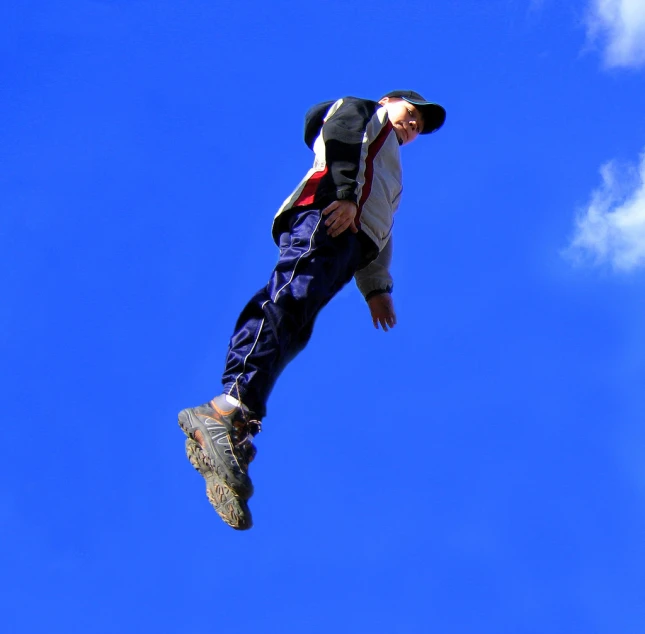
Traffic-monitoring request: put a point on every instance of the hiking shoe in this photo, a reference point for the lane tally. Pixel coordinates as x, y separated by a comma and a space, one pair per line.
222, 455
229, 506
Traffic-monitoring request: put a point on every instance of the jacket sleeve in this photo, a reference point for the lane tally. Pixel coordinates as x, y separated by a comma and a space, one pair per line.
347, 132
375, 278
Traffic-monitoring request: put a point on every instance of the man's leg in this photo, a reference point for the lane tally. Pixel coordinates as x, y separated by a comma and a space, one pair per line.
273, 327
276, 324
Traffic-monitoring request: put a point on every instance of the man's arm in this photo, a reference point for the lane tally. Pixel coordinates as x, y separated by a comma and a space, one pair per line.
376, 284
347, 131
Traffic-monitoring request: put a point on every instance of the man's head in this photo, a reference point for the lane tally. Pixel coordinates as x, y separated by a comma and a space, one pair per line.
411, 115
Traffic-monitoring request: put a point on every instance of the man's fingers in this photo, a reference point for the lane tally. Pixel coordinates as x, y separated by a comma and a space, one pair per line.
385, 321
331, 219
335, 218
327, 210
336, 231
382, 312
333, 226
341, 217
337, 225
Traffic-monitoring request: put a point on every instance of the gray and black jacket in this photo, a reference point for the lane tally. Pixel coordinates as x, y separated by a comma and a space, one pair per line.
356, 158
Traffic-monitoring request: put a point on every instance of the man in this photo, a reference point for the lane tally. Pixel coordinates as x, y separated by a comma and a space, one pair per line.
335, 225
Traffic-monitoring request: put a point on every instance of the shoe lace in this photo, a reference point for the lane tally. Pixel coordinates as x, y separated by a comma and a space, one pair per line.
242, 437
243, 432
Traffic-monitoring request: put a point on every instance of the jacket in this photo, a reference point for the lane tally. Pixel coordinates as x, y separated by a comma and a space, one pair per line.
356, 158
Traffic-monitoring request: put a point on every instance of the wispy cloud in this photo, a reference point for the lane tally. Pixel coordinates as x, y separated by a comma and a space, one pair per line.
612, 227
620, 26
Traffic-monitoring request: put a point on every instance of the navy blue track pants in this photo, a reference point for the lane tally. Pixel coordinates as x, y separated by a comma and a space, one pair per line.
277, 322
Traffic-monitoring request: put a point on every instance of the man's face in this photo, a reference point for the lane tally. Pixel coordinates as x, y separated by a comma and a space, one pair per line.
405, 118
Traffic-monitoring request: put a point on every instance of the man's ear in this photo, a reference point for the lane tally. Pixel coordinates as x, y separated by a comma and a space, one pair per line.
384, 100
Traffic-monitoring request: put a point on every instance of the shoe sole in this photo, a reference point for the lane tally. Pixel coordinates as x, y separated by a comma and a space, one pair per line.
229, 506
241, 484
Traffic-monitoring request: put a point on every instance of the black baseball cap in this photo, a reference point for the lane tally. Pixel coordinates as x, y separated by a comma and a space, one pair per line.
433, 114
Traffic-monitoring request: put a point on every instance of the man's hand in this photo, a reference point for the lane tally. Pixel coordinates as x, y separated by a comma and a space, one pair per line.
341, 217
382, 309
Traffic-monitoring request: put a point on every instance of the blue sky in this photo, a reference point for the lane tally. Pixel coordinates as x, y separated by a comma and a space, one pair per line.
478, 469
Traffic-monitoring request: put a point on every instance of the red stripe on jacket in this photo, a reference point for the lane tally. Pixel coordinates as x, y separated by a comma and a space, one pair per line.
372, 151
308, 193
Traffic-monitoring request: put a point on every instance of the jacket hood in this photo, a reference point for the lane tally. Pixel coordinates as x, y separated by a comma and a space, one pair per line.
314, 121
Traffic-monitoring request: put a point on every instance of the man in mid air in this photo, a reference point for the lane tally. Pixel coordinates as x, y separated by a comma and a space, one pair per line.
336, 225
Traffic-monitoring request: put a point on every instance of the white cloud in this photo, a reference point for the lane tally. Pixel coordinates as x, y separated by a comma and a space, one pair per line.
612, 227
620, 25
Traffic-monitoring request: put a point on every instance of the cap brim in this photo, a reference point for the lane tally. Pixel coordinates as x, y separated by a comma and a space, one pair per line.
434, 115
